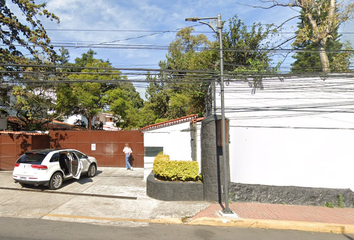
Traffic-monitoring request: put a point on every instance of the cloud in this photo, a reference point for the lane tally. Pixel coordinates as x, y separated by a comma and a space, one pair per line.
124, 18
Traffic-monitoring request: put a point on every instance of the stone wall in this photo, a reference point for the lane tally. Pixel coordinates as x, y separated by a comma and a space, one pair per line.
291, 195
173, 191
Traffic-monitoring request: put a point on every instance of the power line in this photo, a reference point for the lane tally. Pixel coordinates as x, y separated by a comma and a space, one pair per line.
154, 31
110, 45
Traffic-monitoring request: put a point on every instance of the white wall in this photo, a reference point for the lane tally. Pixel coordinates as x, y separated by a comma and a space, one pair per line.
72, 119
175, 140
292, 157
298, 132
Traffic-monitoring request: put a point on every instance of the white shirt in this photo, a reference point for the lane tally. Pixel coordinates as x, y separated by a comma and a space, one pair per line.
127, 150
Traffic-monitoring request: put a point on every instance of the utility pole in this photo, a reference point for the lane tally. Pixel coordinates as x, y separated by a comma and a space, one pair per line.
218, 30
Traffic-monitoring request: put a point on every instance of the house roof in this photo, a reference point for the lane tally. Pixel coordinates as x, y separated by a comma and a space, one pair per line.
190, 118
53, 125
23, 133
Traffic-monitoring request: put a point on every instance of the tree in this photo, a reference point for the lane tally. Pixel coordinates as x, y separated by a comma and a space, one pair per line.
34, 106
64, 57
32, 98
246, 48
247, 51
192, 64
97, 87
125, 102
322, 18
86, 91
158, 97
27, 32
19, 36
309, 61
188, 59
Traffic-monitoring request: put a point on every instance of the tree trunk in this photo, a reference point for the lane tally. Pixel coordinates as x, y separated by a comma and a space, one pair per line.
324, 59
89, 122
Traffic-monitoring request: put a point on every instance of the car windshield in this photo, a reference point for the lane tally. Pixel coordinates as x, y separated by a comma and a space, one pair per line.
32, 158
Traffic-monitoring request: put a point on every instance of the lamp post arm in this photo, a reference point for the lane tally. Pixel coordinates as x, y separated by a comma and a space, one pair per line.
209, 26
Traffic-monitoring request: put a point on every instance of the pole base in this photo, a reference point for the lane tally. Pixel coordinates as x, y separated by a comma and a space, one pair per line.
228, 214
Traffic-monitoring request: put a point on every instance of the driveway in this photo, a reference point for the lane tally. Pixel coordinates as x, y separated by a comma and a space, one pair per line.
114, 196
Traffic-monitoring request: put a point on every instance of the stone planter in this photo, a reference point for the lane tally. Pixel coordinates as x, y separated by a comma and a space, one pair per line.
173, 191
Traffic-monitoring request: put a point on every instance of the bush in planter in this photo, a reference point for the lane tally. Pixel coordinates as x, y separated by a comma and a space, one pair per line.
165, 169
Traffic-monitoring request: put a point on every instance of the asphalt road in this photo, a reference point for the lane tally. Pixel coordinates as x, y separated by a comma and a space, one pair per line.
37, 229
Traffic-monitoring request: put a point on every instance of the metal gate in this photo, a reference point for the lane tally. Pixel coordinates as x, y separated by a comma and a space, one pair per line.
105, 146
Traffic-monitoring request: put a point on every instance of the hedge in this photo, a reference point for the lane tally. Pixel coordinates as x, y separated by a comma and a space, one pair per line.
167, 170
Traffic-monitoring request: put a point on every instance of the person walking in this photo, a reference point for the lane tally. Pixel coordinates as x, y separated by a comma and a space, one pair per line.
127, 150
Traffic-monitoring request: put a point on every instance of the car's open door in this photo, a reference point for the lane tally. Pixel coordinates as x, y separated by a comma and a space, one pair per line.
76, 166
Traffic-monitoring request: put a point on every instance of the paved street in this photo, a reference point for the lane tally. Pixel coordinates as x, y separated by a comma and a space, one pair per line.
117, 197
37, 229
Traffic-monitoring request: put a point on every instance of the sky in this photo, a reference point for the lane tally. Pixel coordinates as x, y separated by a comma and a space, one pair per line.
136, 33
149, 23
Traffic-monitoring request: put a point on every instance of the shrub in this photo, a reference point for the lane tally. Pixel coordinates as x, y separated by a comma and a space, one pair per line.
165, 169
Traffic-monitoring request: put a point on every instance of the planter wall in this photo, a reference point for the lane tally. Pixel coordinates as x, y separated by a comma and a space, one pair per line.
173, 191
290, 195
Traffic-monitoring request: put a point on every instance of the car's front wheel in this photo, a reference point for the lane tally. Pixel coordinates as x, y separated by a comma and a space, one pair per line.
92, 170
56, 181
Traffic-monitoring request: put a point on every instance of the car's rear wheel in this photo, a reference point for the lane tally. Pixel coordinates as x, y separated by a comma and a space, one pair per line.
92, 170
24, 185
56, 181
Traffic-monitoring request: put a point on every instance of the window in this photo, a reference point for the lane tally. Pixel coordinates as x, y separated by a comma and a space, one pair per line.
55, 157
152, 151
80, 154
32, 158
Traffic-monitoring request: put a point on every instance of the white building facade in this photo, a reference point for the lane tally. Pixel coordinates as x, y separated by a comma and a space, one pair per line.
297, 132
178, 138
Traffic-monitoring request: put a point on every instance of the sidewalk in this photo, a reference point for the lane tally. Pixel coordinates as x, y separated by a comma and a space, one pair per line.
116, 196
277, 216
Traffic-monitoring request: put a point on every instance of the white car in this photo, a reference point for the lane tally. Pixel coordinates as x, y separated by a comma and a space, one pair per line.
50, 167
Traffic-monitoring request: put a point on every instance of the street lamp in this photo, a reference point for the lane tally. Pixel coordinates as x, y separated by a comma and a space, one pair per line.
219, 27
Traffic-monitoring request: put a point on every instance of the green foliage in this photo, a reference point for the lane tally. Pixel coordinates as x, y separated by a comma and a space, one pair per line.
329, 205
193, 64
309, 59
29, 34
87, 96
252, 40
64, 56
33, 106
160, 120
20, 36
340, 201
318, 35
165, 169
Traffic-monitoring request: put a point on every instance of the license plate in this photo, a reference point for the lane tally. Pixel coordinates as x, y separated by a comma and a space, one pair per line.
23, 178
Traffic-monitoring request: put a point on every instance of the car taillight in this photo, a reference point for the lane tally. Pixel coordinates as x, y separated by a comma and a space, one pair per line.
17, 164
40, 167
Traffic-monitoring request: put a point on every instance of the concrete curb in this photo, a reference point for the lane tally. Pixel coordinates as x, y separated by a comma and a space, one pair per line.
275, 224
109, 219
225, 222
